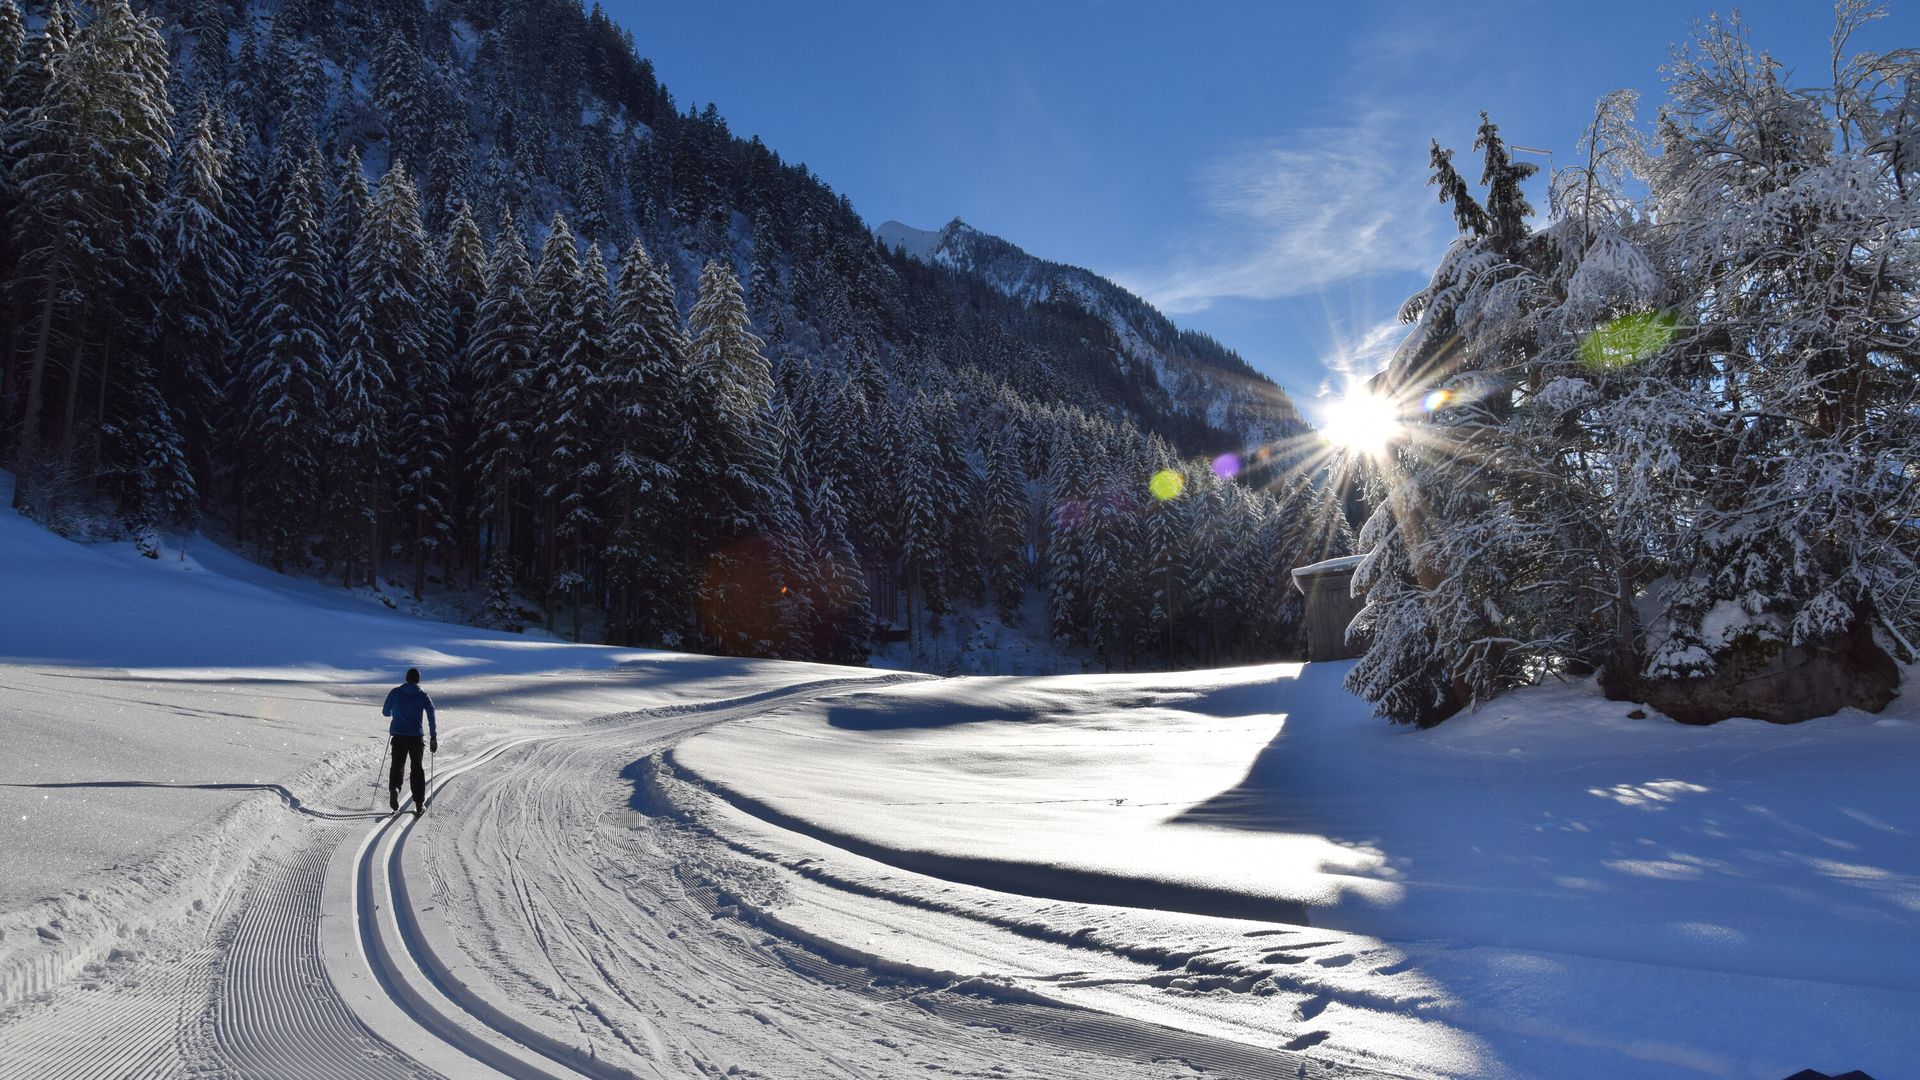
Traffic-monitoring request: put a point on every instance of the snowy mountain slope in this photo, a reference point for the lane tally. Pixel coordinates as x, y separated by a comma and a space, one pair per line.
1185, 373
922, 244
1560, 890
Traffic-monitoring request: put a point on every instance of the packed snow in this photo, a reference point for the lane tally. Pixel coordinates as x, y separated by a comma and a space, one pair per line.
1584, 893
895, 871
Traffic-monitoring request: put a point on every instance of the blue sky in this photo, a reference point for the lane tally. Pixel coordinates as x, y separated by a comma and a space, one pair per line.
1256, 169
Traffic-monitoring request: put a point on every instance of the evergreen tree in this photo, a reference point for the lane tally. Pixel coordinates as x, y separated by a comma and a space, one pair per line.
642, 393
285, 407
1004, 518
505, 332
361, 387
463, 264
842, 613
1507, 206
727, 465
346, 214
88, 165
394, 384
200, 268
567, 305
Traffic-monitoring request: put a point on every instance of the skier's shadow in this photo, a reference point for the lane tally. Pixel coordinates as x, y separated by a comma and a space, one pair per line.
292, 801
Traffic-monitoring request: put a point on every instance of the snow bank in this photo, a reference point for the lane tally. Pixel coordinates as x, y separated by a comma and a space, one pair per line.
1593, 894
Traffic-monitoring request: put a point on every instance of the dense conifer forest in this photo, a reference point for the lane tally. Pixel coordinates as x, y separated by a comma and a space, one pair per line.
455, 297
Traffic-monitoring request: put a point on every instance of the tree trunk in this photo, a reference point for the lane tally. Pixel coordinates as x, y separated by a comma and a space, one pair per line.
29, 445
373, 540
419, 551
71, 407
100, 408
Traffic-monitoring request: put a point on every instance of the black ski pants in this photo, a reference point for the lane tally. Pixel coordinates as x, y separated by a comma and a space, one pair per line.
408, 748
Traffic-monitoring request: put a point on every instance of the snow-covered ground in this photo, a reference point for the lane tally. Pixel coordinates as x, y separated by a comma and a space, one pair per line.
195, 882
1567, 890
650, 864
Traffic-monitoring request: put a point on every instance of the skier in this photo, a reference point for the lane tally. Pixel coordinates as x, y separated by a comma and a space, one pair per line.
405, 704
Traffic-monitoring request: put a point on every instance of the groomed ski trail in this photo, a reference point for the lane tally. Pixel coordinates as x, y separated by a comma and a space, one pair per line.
535, 923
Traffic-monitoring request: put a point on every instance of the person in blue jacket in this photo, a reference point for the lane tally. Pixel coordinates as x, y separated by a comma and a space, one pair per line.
405, 703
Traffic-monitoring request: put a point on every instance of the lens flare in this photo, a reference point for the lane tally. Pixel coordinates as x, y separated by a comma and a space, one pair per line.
1437, 400
1627, 340
1226, 466
1361, 421
1167, 485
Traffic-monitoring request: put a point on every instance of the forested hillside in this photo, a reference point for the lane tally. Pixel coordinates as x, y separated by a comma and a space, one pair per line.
454, 295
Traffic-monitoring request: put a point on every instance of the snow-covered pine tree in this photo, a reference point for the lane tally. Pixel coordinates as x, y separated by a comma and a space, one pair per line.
346, 213
359, 465
144, 461
390, 272
1450, 504
566, 363
88, 163
284, 392
15, 92
1168, 565
463, 268
1067, 492
1004, 518
399, 97
843, 617
920, 490
643, 397
505, 334
199, 269
789, 540
727, 465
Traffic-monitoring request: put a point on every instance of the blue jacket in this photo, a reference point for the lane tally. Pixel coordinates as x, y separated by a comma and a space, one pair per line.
405, 703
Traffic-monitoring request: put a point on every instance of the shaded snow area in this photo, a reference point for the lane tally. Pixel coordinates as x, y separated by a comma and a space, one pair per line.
1543, 888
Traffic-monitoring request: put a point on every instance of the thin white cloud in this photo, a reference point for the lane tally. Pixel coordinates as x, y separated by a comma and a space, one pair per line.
1295, 215
1354, 362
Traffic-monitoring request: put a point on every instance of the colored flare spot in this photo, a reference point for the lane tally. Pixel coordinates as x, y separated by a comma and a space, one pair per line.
1166, 484
1627, 340
1437, 400
1226, 466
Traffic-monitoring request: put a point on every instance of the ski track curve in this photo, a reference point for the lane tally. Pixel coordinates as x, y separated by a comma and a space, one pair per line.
431, 997
543, 930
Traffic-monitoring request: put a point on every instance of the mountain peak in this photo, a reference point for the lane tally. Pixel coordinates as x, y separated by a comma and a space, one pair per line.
918, 243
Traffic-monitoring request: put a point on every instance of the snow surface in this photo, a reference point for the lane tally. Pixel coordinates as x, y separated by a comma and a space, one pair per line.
149, 702
190, 747
917, 243
1584, 894
1543, 888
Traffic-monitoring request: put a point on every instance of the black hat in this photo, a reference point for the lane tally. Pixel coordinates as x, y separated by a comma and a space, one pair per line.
413, 674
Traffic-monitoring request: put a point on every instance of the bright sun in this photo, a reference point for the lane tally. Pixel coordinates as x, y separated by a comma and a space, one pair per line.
1361, 421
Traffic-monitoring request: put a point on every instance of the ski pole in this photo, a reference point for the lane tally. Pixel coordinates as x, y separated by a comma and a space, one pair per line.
385, 747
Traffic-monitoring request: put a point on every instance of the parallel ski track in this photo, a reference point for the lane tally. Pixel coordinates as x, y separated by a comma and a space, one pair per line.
275, 1014
249, 1000
420, 983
